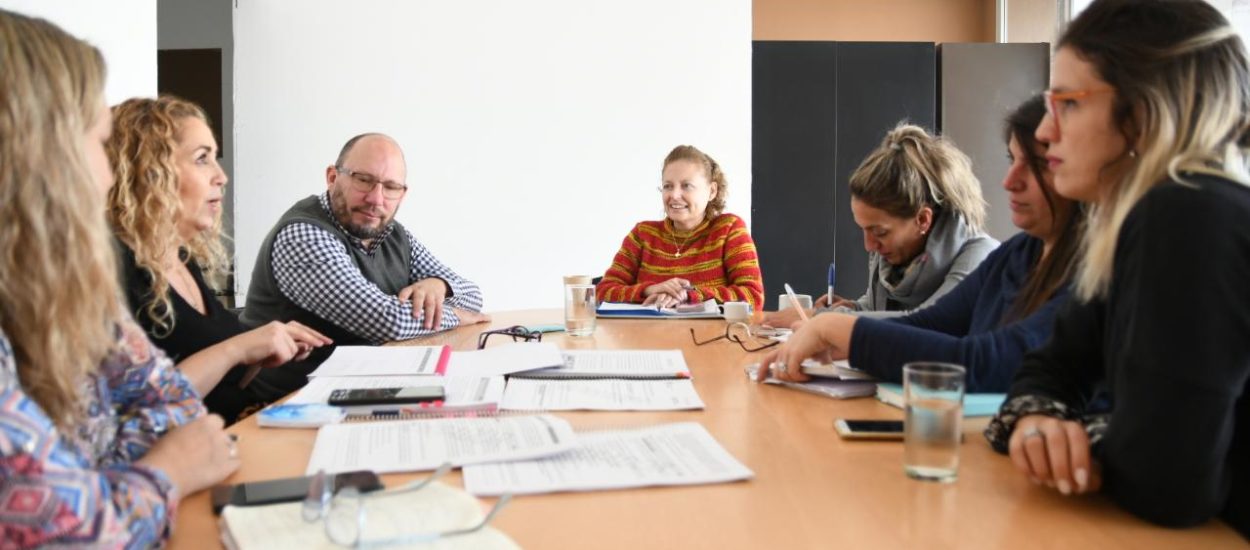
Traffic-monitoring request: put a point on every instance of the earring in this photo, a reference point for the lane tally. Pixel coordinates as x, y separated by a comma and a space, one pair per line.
1132, 153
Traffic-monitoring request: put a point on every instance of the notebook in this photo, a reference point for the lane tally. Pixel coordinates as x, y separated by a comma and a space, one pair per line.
705, 310
434, 508
975, 404
606, 394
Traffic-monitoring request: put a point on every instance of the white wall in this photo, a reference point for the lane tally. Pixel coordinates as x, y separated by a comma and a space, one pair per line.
123, 30
534, 131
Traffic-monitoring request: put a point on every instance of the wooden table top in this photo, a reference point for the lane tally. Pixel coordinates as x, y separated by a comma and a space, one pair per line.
811, 488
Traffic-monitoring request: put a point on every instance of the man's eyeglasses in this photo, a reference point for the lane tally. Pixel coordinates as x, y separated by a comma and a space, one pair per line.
345, 519
366, 182
1059, 103
738, 333
517, 332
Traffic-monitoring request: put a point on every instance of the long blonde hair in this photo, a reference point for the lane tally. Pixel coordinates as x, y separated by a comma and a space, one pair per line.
59, 304
911, 170
143, 203
1182, 84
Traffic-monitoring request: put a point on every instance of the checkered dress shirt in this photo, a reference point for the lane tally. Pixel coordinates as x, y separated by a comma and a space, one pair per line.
314, 270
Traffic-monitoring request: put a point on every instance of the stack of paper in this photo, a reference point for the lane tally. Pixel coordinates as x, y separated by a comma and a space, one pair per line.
434, 508
673, 454
414, 445
614, 394
632, 364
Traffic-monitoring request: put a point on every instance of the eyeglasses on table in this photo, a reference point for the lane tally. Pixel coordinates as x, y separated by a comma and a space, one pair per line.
343, 512
517, 332
735, 332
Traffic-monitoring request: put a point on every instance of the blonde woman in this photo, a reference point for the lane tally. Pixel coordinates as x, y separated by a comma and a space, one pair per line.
165, 208
1149, 121
920, 208
99, 433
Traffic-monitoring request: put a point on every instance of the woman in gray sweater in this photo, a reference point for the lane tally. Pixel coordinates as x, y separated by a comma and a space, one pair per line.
920, 208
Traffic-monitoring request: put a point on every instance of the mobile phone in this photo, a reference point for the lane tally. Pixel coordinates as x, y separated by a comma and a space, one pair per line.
869, 429
286, 490
386, 396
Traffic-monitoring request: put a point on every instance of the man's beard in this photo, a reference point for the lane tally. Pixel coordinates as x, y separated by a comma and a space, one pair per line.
338, 204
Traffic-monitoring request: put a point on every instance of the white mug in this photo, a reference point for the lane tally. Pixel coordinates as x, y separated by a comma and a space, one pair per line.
737, 312
783, 301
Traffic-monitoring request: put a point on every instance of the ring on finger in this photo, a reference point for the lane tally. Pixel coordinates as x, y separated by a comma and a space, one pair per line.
234, 450
1033, 432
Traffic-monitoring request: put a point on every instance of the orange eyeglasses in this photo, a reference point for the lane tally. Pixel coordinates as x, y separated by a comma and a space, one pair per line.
1053, 101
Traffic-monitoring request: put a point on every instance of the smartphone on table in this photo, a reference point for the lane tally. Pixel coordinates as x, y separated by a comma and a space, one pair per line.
386, 396
869, 429
289, 489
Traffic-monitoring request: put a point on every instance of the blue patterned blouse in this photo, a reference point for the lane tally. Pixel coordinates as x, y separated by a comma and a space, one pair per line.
83, 488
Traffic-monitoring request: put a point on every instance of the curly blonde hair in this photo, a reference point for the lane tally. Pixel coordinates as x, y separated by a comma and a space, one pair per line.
144, 203
59, 303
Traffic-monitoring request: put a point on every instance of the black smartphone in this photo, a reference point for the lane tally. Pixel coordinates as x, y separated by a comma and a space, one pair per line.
386, 396
869, 429
286, 490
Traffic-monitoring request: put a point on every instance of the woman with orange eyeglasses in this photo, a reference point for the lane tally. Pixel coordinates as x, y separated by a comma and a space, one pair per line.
1149, 122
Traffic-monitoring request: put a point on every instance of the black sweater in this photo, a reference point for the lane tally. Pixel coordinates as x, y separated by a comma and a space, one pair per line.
1171, 344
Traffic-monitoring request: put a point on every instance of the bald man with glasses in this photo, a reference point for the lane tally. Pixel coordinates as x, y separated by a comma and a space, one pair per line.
340, 263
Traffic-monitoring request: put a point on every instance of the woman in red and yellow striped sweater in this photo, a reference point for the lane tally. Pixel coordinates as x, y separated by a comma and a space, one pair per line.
697, 252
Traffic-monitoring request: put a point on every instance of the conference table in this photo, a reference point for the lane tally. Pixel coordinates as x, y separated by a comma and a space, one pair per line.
811, 488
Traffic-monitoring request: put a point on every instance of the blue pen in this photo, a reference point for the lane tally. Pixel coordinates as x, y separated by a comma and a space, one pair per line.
833, 270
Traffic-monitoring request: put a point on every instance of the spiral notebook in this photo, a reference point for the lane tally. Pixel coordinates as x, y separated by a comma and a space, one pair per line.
705, 310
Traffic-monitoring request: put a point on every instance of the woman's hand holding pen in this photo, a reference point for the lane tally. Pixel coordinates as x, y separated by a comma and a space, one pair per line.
838, 301
668, 293
825, 338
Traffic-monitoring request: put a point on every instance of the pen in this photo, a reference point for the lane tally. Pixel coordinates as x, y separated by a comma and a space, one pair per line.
794, 302
833, 270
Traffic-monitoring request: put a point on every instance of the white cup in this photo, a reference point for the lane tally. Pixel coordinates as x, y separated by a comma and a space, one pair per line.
783, 301
737, 312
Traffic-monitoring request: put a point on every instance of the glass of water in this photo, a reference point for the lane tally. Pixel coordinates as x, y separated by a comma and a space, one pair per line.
579, 306
934, 401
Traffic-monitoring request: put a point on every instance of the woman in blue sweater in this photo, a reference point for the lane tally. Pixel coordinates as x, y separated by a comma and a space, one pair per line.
1001, 310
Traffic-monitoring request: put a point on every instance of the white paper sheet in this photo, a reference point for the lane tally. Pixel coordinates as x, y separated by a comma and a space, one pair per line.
612, 394
380, 361
462, 394
414, 445
672, 454
505, 359
434, 508
617, 364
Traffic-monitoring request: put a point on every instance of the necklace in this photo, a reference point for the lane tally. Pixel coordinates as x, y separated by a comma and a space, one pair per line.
183, 283
683, 242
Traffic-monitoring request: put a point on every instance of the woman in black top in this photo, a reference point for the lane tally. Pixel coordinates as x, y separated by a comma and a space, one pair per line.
1149, 121
165, 209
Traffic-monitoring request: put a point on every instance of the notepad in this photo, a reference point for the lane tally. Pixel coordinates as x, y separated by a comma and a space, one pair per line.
462, 395
975, 404
671, 454
635, 364
434, 508
613, 394
705, 310
415, 445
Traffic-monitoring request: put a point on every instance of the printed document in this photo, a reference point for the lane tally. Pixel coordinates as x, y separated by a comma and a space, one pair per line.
505, 359
609, 394
381, 361
671, 454
414, 445
617, 364
460, 393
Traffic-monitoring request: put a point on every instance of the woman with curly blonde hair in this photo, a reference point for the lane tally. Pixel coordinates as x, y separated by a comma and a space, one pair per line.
99, 433
166, 211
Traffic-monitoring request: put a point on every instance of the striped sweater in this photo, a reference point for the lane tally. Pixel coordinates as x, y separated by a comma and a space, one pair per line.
718, 258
